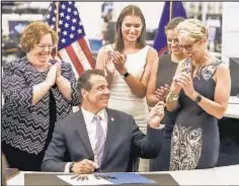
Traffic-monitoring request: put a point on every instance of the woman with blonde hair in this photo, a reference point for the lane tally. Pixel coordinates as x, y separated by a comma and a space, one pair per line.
38, 92
200, 90
127, 63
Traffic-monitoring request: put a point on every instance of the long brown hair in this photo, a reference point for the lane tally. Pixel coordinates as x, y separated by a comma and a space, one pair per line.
130, 10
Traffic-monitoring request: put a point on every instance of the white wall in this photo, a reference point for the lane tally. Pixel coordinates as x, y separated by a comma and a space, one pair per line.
230, 30
151, 10
90, 14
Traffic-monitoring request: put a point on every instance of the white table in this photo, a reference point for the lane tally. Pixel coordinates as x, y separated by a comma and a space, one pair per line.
228, 175
233, 108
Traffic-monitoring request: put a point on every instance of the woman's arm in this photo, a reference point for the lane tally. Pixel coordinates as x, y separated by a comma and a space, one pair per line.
16, 90
218, 107
152, 99
139, 87
66, 83
175, 89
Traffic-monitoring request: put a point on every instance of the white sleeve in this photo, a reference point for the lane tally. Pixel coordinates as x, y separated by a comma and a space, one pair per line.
66, 170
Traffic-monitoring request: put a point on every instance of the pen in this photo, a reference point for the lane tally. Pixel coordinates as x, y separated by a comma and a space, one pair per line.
74, 177
98, 170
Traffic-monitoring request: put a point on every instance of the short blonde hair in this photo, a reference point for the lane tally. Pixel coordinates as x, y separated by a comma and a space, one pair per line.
192, 28
34, 32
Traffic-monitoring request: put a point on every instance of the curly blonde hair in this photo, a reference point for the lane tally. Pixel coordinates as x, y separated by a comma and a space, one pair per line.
192, 28
34, 32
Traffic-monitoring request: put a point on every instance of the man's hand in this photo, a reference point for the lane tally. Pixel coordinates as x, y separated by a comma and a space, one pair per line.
84, 167
156, 114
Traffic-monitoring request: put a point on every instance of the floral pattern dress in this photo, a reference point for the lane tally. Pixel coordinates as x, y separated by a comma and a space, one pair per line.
195, 139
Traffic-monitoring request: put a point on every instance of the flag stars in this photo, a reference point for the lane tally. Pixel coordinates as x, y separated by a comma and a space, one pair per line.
72, 28
68, 17
80, 23
63, 40
75, 12
71, 36
60, 22
53, 19
74, 20
79, 31
66, 25
65, 33
63, 6
68, 9
62, 14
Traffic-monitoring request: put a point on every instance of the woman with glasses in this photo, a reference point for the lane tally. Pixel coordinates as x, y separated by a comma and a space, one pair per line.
200, 90
160, 80
38, 91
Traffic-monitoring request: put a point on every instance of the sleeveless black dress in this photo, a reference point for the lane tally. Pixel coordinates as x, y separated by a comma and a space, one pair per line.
195, 139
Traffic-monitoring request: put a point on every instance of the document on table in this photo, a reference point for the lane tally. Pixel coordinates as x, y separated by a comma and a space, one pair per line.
105, 179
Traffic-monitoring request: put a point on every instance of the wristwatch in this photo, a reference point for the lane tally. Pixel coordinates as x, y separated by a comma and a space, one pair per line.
125, 75
198, 98
71, 167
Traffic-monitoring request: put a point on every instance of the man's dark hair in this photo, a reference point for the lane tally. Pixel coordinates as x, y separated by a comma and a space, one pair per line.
173, 23
84, 80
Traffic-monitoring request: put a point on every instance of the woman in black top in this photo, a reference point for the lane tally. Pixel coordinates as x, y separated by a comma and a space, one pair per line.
159, 83
38, 92
200, 90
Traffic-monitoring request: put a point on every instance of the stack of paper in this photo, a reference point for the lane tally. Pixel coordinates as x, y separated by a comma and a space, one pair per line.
106, 179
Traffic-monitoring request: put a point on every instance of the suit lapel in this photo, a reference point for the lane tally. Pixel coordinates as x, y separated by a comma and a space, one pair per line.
111, 132
84, 135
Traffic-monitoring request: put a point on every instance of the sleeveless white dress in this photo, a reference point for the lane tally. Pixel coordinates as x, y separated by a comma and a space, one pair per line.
122, 98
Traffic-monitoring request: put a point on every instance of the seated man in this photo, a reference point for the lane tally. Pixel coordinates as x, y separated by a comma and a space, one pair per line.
96, 137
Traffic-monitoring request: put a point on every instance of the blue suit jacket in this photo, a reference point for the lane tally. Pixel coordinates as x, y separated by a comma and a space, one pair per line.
124, 143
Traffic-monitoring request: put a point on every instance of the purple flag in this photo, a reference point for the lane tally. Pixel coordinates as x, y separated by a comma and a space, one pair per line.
160, 41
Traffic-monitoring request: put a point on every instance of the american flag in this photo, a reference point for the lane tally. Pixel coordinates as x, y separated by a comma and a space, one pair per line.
72, 46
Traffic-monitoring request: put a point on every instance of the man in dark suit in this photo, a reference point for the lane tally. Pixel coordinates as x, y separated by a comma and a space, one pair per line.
96, 137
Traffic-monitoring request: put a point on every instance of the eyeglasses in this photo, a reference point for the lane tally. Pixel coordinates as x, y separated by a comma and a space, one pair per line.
189, 47
43, 47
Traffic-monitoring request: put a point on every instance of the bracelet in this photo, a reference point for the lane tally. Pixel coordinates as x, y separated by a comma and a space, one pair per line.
172, 97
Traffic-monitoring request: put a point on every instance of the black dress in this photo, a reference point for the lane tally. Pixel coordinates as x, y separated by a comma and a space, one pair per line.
165, 73
195, 139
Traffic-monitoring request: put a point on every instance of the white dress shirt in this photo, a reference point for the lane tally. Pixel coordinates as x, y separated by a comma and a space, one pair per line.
91, 129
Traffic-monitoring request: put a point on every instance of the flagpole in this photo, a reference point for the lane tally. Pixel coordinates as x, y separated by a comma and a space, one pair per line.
57, 24
170, 10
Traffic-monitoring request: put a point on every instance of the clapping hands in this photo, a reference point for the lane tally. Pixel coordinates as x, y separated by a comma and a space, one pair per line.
53, 73
115, 60
184, 81
162, 92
